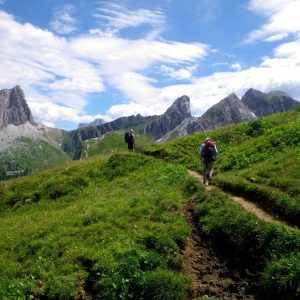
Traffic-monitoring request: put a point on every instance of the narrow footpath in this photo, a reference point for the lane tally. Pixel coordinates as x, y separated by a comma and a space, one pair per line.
209, 274
248, 205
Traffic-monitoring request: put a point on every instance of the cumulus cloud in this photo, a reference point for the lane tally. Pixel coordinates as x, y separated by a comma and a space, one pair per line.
63, 71
123, 62
50, 112
34, 57
236, 67
283, 19
58, 74
63, 22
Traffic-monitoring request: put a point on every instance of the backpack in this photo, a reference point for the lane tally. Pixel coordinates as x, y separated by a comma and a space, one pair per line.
209, 153
128, 137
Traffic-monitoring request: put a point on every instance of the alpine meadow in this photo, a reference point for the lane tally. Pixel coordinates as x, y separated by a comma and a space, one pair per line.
150, 150
113, 226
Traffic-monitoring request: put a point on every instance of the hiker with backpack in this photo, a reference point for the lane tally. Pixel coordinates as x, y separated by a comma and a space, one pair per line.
208, 152
129, 139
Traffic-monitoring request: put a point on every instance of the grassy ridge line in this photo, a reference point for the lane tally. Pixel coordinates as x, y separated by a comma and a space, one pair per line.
113, 142
116, 236
240, 146
266, 249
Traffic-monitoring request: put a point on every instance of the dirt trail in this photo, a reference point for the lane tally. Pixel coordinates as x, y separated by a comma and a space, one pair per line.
249, 206
209, 274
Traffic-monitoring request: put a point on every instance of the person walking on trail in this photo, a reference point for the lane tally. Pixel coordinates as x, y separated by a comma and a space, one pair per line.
208, 152
129, 139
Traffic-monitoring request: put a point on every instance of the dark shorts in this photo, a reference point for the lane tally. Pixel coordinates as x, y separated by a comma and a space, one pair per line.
130, 145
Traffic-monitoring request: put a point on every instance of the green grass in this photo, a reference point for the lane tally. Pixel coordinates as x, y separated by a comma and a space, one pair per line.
100, 229
260, 159
269, 251
113, 142
28, 155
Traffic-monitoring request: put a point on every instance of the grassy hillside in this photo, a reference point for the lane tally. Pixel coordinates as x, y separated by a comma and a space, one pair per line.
114, 142
260, 159
113, 229
95, 229
28, 155
267, 251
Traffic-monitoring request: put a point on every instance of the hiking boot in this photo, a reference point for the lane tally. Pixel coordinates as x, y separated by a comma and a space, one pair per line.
209, 181
204, 180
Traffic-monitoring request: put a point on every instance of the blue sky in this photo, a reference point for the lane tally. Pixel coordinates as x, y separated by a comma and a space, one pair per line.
80, 60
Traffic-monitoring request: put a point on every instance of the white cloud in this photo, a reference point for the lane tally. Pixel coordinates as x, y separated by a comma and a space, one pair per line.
114, 17
51, 112
63, 22
58, 73
179, 74
34, 57
236, 67
62, 71
122, 62
283, 19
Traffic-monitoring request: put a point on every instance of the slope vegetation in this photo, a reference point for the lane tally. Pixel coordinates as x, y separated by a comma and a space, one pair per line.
95, 230
113, 142
26, 155
259, 158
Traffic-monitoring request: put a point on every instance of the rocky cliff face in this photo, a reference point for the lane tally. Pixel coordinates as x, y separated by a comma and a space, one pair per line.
230, 110
173, 116
13, 107
264, 104
178, 121
96, 122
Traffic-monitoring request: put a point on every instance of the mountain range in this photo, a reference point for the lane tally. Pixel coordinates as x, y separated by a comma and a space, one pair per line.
94, 123
16, 120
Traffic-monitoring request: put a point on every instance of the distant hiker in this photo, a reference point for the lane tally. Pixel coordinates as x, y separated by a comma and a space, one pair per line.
208, 151
129, 139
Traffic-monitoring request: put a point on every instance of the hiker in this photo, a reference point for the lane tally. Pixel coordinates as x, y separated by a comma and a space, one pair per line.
208, 151
129, 139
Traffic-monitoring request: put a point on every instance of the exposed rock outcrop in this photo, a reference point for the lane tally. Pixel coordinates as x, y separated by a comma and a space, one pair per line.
174, 115
264, 104
96, 122
13, 107
230, 110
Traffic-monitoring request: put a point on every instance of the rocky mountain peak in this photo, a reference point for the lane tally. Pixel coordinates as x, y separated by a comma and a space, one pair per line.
230, 110
180, 106
232, 98
173, 116
96, 122
14, 108
264, 104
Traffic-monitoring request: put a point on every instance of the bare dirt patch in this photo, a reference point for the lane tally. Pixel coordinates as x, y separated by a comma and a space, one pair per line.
209, 274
